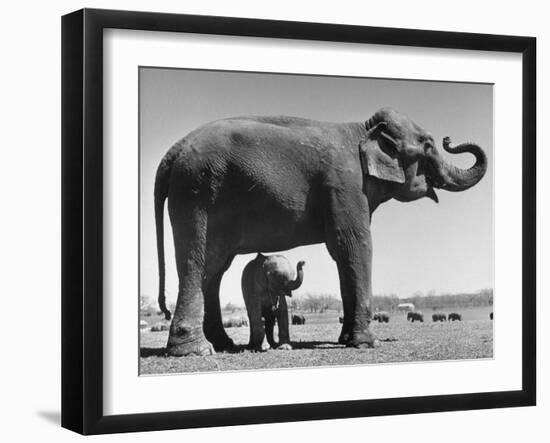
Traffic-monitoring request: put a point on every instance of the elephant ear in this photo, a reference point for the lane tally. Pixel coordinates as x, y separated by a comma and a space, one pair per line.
380, 157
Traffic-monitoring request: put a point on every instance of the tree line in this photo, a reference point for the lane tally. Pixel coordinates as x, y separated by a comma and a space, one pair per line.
435, 301
319, 303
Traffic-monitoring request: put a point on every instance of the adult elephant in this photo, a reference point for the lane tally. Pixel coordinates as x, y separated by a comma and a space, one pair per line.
298, 319
455, 316
266, 281
249, 184
234, 322
381, 317
415, 316
439, 316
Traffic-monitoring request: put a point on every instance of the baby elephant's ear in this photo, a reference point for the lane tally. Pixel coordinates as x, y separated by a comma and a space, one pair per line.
379, 156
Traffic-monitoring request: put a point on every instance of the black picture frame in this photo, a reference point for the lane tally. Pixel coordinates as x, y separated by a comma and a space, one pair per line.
82, 218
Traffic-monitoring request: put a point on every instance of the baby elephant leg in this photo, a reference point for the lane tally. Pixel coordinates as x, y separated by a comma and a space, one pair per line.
282, 320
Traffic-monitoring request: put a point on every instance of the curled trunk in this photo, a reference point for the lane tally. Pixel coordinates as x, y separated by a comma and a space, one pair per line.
295, 284
455, 179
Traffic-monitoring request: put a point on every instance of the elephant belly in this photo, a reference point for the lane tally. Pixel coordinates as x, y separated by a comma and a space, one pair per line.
275, 234
244, 231
256, 216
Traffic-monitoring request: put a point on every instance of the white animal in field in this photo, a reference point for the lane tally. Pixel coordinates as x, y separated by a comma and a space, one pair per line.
405, 307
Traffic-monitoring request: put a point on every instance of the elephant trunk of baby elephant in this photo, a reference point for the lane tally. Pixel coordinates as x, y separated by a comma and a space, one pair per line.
295, 284
455, 179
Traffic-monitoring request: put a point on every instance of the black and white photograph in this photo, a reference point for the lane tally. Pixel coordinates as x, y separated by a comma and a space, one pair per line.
295, 221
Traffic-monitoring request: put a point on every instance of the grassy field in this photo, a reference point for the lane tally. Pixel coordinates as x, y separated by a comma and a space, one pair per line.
315, 344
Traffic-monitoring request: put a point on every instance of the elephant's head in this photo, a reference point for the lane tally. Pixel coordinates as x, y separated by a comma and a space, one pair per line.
399, 151
280, 283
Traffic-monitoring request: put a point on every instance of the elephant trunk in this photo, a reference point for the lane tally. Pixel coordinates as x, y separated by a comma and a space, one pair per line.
295, 284
455, 179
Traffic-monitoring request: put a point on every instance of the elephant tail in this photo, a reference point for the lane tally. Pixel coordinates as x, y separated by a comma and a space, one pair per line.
161, 192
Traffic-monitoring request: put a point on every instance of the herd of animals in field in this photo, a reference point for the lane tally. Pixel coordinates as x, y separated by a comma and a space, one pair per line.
273, 306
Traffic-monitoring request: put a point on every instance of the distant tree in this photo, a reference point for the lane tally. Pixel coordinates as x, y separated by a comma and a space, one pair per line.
441, 301
313, 302
230, 307
144, 302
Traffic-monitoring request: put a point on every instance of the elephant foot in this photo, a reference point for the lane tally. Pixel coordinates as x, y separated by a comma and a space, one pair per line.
261, 347
344, 338
223, 344
199, 348
362, 340
363, 345
185, 343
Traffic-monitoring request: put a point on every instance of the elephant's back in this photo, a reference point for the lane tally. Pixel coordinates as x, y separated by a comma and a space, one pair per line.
261, 149
268, 150
266, 132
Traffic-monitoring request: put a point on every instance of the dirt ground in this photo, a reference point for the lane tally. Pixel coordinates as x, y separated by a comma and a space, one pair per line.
315, 344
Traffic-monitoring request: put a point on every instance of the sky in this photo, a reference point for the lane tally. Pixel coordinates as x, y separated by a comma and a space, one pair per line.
417, 246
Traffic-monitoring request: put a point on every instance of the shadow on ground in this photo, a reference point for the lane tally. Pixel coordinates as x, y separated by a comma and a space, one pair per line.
53, 417
316, 345
161, 352
152, 352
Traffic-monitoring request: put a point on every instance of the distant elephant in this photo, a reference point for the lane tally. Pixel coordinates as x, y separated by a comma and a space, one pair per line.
159, 327
455, 316
439, 316
491, 315
381, 317
298, 319
247, 184
234, 322
415, 316
266, 282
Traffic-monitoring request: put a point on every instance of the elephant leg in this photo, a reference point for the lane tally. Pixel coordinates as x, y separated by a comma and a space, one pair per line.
213, 325
186, 330
347, 325
282, 322
351, 249
269, 317
254, 310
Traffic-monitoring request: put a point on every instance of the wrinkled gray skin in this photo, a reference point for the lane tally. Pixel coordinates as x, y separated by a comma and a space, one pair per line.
266, 282
270, 184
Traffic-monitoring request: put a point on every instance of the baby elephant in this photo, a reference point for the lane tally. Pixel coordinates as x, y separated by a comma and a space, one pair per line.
265, 282
381, 317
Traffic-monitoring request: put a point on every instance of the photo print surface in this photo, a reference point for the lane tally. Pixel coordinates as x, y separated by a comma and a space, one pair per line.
303, 220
